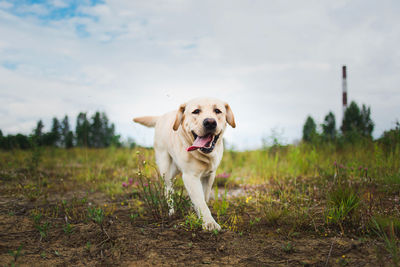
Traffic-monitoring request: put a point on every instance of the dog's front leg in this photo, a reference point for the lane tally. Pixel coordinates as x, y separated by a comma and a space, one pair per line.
195, 190
207, 182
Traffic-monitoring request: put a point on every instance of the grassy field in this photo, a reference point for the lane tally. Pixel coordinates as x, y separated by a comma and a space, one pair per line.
283, 206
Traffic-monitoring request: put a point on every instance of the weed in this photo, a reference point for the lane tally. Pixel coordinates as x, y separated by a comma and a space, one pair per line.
88, 246
68, 228
35, 158
152, 192
222, 206
109, 209
84, 200
342, 202
234, 222
392, 183
274, 212
43, 229
153, 195
36, 218
133, 216
96, 215
32, 191
182, 203
342, 261
387, 222
288, 247
390, 242
192, 222
15, 254
256, 220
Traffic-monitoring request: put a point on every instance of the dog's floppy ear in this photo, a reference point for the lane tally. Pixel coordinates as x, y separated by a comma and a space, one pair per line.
230, 119
179, 116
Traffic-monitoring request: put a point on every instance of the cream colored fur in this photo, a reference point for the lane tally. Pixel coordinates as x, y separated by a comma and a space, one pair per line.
173, 135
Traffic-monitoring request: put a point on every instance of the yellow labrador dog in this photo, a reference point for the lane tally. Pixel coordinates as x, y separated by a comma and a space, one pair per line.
189, 141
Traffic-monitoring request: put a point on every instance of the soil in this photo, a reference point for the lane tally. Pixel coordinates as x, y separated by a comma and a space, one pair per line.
121, 241
142, 244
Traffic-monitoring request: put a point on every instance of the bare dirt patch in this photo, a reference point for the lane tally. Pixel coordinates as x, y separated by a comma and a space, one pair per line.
140, 243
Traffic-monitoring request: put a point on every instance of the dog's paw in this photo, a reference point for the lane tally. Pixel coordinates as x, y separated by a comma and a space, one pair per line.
211, 225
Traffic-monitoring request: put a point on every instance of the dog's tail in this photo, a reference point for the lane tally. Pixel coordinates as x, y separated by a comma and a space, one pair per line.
149, 121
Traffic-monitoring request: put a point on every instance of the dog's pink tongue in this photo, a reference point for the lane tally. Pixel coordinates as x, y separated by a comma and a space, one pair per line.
200, 141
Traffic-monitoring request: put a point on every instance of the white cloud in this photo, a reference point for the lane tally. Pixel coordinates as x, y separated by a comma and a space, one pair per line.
59, 3
5, 5
275, 62
33, 9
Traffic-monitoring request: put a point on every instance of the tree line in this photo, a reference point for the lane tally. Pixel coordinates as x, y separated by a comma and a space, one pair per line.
95, 132
357, 126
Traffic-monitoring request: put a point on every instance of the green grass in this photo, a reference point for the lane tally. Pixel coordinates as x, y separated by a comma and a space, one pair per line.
343, 202
326, 190
391, 242
96, 215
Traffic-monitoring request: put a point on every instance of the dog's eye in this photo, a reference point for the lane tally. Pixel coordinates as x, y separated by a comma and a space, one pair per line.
196, 111
217, 111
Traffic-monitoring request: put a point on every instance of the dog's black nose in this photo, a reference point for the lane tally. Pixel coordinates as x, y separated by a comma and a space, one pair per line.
210, 124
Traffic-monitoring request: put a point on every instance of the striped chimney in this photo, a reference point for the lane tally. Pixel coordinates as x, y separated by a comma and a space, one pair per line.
344, 86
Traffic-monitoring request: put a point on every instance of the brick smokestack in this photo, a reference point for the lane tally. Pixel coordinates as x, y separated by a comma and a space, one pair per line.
344, 86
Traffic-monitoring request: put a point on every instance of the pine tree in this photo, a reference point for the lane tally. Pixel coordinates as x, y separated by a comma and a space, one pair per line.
329, 127
113, 139
96, 131
366, 121
309, 129
2, 140
357, 123
351, 120
38, 133
391, 138
22, 141
108, 131
82, 130
55, 133
69, 140
67, 135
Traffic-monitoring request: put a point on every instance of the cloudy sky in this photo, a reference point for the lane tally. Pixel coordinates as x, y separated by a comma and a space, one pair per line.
275, 62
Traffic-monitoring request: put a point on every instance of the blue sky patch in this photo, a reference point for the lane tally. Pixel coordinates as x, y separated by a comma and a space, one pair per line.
9, 65
50, 10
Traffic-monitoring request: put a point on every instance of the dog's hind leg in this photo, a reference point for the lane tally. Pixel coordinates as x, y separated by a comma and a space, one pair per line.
168, 171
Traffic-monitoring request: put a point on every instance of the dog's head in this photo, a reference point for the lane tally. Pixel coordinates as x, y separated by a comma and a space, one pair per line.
204, 121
